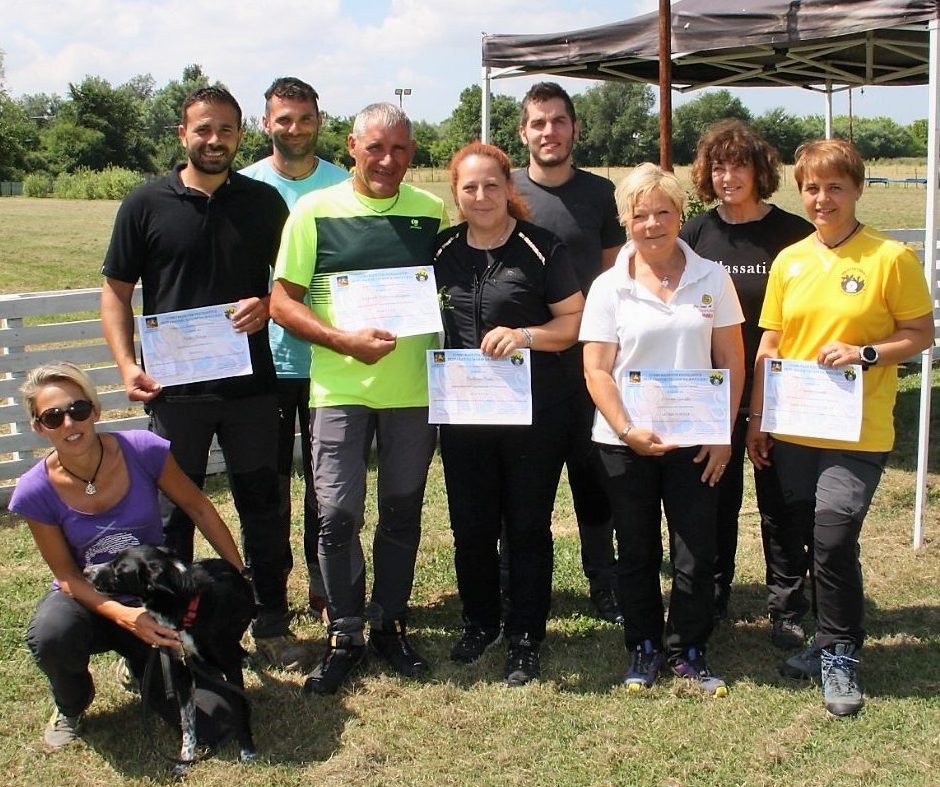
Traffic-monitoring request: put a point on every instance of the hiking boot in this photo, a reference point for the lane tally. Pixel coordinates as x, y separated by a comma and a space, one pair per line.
339, 662
605, 605
392, 645
284, 652
693, 668
476, 641
645, 665
804, 665
522, 665
61, 730
841, 690
787, 634
125, 677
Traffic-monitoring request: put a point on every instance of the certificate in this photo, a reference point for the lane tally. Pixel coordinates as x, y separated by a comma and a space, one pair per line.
400, 300
682, 406
805, 399
468, 387
193, 345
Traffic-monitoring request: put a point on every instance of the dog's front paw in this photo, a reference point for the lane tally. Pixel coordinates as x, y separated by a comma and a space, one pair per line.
247, 755
180, 770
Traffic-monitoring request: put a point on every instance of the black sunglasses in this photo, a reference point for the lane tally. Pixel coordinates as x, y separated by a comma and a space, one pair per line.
78, 410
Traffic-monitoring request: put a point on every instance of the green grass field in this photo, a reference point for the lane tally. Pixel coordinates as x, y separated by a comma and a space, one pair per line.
462, 727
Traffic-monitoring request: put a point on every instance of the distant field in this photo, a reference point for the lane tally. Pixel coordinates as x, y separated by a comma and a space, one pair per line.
34, 258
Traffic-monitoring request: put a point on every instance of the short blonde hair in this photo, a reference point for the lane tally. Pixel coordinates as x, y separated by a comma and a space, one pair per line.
56, 372
645, 179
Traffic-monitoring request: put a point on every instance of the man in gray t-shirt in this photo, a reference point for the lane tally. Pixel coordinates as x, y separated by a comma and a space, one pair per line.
579, 208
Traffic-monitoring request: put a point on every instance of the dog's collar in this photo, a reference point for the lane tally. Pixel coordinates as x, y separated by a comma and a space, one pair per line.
190, 617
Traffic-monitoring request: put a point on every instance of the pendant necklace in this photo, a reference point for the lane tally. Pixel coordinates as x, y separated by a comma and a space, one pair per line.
664, 281
856, 228
90, 488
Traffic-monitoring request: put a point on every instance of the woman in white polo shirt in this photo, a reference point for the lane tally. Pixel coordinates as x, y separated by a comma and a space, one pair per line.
661, 306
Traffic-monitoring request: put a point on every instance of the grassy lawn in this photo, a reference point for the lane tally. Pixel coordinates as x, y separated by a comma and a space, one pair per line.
462, 727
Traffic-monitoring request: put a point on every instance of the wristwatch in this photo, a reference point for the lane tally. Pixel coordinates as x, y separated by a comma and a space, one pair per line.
869, 354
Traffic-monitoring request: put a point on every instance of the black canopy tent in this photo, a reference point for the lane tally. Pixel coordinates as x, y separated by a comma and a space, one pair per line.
820, 45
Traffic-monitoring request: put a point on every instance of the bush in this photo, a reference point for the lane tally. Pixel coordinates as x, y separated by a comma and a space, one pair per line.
38, 184
109, 183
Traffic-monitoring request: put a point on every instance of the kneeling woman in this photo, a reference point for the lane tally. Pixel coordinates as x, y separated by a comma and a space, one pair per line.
509, 285
660, 307
89, 498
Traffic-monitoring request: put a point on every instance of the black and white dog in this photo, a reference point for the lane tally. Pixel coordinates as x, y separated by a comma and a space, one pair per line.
211, 605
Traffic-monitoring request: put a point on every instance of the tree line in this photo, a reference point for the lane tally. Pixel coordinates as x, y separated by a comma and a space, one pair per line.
133, 126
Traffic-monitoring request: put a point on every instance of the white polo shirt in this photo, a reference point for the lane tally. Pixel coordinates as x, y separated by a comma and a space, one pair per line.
650, 334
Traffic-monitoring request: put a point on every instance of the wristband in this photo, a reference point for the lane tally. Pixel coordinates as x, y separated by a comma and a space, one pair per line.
752, 416
528, 336
624, 433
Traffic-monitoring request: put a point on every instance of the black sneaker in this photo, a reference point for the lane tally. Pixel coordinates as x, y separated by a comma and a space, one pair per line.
805, 665
522, 666
645, 665
476, 641
787, 634
841, 690
605, 604
392, 645
693, 667
339, 662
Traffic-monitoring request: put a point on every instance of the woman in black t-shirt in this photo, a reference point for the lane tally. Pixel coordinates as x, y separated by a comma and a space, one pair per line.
506, 285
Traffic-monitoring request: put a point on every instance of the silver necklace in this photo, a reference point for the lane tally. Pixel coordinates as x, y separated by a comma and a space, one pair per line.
90, 488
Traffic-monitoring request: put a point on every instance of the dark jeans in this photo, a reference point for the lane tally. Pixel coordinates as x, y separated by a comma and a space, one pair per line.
293, 399
405, 443
828, 492
595, 526
637, 486
508, 475
782, 544
62, 636
247, 430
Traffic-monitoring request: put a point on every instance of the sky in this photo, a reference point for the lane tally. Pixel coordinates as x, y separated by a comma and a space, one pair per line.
353, 53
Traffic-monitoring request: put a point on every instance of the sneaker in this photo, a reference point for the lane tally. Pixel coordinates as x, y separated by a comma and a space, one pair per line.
125, 678
61, 730
339, 662
605, 605
476, 641
787, 634
644, 667
693, 668
841, 690
522, 665
804, 665
284, 652
392, 645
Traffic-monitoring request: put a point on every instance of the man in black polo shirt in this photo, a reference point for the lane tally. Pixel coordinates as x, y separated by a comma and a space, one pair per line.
579, 208
200, 236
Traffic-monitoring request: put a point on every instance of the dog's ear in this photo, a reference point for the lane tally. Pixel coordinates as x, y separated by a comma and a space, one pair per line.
162, 575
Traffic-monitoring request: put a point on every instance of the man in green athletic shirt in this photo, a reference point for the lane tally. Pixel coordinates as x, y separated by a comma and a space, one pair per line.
364, 383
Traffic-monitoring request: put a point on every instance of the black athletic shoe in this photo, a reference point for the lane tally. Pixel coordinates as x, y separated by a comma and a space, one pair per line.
606, 606
787, 634
522, 665
392, 645
340, 661
475, 641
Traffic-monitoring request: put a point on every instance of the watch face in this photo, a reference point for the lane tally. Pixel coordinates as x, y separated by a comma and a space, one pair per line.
869, 354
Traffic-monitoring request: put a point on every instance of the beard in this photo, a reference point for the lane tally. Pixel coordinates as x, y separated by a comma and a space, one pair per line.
293, 151
210, 166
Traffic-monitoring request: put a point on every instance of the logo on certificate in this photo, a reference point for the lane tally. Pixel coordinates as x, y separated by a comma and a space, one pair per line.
421, 274
517, 359
716, 378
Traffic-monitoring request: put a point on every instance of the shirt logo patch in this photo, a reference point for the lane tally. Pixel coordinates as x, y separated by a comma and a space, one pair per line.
416, 224
853, 281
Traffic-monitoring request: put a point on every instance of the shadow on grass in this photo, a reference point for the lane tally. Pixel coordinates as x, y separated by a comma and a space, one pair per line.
138, 747
585, 655
906, 420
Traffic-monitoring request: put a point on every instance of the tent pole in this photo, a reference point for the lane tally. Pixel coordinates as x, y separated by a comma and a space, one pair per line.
485, 105
930, 271
665, 85
828, 109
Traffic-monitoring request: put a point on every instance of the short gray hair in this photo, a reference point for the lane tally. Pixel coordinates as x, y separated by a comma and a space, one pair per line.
384, 114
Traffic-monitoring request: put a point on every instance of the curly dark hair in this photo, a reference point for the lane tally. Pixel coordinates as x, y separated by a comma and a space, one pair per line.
735, 142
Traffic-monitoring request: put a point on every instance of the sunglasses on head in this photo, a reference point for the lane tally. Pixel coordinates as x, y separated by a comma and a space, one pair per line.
78, 410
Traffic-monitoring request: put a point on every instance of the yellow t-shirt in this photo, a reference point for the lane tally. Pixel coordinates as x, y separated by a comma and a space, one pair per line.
854, 294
